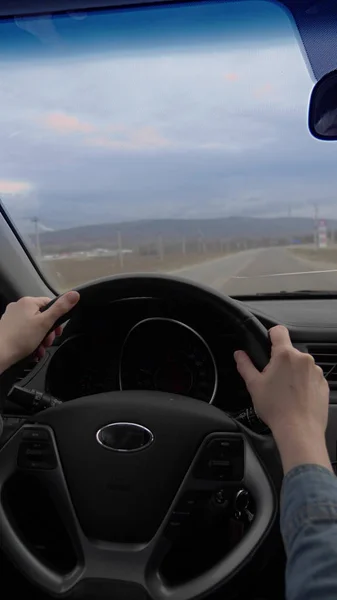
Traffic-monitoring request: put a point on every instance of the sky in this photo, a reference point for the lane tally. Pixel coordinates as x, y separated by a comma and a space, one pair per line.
208, 130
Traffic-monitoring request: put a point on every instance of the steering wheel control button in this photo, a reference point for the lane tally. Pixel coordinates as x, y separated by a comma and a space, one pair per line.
180, 517
222, 460
173, 530
177, 520
189, 501
36, 434
124, 437
36, 455
219, 448
183, 510
36, 450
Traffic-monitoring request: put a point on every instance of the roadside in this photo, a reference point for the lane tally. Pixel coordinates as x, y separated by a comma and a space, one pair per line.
321, 256
70, 272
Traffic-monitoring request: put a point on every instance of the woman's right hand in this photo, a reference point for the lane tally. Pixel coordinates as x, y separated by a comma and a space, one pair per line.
291, 396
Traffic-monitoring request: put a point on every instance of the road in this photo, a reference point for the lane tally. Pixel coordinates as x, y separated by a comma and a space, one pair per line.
263, 270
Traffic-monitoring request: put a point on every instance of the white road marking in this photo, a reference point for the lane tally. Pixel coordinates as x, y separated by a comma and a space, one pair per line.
282, 274
208, 272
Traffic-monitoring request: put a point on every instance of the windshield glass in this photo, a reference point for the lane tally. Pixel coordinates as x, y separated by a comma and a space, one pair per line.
168, 139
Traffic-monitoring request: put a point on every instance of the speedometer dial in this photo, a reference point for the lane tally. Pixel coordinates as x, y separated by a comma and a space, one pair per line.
166, 355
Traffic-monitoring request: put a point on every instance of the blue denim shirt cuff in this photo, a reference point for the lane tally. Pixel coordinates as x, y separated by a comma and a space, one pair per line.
309, 495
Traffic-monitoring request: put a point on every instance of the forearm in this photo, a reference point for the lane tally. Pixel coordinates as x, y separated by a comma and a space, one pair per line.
309, 530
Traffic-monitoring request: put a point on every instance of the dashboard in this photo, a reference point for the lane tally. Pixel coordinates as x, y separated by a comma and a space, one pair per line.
148, 344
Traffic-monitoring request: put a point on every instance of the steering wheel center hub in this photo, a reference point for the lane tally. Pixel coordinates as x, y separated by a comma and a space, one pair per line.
122, 494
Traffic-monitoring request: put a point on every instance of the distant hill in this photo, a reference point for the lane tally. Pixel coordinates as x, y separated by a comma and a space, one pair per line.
137, 233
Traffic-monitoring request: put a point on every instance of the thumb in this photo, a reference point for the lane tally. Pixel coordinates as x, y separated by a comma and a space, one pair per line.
60, 307
244, 365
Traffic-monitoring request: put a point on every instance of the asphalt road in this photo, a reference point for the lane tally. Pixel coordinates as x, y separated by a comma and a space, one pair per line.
262, 271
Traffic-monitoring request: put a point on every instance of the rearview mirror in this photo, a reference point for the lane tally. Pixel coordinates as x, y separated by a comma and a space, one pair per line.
323, 108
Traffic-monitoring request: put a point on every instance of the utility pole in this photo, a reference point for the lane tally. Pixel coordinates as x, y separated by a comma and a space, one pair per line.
120, 250
315, 225
36, 222
202, 242
160, 248
183, 246
289, 217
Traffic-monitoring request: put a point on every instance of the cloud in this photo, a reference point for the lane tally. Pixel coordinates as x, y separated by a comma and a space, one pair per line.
65, 123
149, 137
263, 90
14, 134
195, 132
115, 137
143, 138
14, 187
231, 76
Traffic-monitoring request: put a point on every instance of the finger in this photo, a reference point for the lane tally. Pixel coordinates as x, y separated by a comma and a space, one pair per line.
279, 337
31, 304
40, 352
48, 340
58, 331
248, 372
319, 371
62, 305
40, 302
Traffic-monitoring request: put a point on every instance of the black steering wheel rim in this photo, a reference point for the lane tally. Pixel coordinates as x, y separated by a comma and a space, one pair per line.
255, 335
138, 562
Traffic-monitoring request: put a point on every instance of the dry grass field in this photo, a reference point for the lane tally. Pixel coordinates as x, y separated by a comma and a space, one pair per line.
319, 255
70, 272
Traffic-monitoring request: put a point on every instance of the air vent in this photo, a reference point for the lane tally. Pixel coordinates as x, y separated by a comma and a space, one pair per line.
325, 356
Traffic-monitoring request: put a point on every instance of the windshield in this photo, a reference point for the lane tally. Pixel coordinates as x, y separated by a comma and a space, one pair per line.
170, 139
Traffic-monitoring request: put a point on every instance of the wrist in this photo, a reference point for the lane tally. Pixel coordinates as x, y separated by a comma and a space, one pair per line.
6, 360
4, 365
302, 444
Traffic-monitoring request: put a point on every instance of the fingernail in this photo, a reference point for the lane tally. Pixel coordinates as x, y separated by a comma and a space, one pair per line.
73, 297
237, 355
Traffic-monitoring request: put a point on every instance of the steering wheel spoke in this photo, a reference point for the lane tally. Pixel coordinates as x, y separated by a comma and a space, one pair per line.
32, 450
198, 482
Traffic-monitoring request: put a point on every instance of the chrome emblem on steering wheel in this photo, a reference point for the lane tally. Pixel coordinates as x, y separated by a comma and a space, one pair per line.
124, 437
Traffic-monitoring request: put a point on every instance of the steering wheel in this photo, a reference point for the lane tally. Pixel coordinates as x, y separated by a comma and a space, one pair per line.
117, 465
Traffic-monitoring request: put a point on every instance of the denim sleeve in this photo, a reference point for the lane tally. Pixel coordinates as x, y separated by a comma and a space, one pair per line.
309, 530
